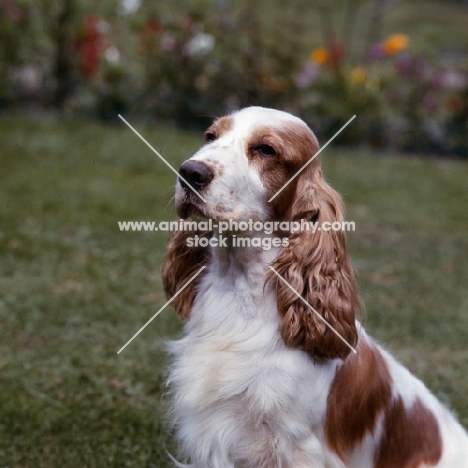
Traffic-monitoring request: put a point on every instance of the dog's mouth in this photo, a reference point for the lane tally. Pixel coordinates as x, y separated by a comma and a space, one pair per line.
189, 205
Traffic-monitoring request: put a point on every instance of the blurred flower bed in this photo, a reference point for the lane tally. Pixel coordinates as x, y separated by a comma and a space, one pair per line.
210, 58
403, 98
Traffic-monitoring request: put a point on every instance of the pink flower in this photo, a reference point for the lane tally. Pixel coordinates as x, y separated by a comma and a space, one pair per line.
168, 43
430, 102
439, 79
376, 51
403, 64
307, 75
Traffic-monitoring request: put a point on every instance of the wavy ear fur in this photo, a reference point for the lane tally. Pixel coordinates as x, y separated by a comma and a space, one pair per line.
179, 264
317, 266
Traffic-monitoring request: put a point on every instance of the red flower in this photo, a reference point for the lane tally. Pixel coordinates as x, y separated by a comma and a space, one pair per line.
337, 52
153, 26
90, 46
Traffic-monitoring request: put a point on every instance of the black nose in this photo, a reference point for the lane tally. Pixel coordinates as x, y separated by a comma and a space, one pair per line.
196, 173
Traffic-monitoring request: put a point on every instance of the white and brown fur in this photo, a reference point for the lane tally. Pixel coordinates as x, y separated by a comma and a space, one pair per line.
258, 380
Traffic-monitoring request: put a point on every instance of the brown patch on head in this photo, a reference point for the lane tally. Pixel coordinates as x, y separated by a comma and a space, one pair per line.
411, 438
360, 392
219, 128
293, 144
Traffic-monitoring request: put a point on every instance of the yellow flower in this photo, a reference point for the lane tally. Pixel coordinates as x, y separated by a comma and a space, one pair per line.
320, 55
395, 43
358, 75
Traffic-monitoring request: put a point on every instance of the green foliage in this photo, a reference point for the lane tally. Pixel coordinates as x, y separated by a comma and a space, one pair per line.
187, 61
194, 69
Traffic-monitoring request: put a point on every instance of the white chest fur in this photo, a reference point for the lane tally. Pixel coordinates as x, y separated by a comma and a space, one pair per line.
238, 392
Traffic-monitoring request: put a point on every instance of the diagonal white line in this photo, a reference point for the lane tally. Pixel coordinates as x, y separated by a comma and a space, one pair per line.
311, 308
160, 157
313, 157
161, 309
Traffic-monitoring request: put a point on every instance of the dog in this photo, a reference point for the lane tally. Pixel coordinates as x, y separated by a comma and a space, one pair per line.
275, 369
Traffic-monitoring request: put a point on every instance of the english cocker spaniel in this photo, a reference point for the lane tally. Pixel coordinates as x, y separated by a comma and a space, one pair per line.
263, 377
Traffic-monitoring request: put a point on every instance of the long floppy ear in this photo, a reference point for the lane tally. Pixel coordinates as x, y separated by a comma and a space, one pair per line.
318, 267
179, 264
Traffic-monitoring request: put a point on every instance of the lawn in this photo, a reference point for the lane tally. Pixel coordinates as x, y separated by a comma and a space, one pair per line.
74, 289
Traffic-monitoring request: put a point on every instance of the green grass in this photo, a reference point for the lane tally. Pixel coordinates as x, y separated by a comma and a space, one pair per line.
73, 289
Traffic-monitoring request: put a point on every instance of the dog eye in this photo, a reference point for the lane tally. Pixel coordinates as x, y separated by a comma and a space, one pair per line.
266, 150
209, 137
